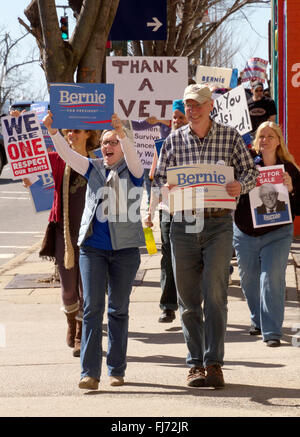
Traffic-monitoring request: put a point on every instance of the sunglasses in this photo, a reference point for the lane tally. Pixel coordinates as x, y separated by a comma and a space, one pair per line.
111, 142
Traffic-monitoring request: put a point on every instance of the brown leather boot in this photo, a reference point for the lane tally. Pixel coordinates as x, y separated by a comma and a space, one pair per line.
71, 320
76, 350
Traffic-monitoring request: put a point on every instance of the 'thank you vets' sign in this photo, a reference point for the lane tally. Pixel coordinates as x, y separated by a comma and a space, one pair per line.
82, 106
231, 109
206, 181
146, 86
140, 20
219, 77
24, 145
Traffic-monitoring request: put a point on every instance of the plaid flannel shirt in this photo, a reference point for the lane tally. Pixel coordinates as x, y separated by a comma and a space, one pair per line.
223, 144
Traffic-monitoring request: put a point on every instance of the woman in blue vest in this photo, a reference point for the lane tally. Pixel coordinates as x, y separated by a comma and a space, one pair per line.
110, 234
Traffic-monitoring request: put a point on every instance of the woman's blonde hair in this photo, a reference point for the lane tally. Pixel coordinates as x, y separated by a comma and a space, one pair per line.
93, 140
281, 152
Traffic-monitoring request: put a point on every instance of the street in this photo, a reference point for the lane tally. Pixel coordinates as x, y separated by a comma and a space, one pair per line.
20, 225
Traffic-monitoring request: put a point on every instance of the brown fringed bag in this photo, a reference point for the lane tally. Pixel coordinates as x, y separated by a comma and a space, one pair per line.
48, 244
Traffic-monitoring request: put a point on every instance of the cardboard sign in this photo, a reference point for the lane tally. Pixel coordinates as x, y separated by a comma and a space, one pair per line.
145, 145
269, 200
220, 77
146, 86
82, 106
232, 109
24, 145
208, 179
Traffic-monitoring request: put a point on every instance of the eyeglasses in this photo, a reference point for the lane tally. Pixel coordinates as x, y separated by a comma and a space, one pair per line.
259, 90
75, 131
111, 142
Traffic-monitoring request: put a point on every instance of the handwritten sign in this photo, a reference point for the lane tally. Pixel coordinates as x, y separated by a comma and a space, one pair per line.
269, 200
145, 145
146, 86
220, 77
208, 179
82, 106
232, 109
24, 145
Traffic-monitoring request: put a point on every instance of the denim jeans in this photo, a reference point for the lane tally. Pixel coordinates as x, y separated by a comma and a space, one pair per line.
262, 265
201, 268
168, 299
118, 268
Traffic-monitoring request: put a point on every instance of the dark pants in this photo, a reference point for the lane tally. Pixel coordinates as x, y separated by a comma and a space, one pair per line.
168, 300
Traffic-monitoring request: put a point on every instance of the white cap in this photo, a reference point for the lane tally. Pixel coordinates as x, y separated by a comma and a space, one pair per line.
199, 92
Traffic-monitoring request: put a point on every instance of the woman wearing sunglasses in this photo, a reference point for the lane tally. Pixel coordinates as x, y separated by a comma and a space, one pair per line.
109, 237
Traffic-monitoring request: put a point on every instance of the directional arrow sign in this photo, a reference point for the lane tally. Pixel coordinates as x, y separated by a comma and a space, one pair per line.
155, 23
140, 20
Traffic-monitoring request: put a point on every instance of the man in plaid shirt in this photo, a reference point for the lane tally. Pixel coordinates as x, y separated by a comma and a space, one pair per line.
201, 260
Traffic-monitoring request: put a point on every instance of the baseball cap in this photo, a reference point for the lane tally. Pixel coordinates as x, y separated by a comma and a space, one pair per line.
257, 84
199, 92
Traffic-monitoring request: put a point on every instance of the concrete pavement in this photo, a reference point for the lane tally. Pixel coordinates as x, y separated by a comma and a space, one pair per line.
39, 375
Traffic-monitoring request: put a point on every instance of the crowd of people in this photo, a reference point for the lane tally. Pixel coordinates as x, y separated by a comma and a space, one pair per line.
97, 244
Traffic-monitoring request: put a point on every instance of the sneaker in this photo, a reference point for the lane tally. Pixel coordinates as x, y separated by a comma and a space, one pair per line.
254, 330
273, 343
89, 383
196, 377
214, 376
167, 316
116, 380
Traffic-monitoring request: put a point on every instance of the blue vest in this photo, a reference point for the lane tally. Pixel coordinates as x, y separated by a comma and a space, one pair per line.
123, 234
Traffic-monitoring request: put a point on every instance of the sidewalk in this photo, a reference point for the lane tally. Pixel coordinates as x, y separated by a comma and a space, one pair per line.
39, 376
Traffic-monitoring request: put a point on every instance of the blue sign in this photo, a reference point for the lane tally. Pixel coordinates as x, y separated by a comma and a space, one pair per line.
41, 110
42, 192
158, 145
140, 20
82, 105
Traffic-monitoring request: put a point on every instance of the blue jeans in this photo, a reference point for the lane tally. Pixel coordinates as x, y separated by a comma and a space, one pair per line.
201, 268
168, 299
262, 265
118, 268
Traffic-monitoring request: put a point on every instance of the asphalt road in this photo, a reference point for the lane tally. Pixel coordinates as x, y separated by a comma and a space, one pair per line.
20, 225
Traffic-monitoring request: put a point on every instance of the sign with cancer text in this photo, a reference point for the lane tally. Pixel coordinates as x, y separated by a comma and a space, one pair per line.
24, 145
269, 200
220, 77
206, 182
145, 145
232, 109
82, 106
146, 86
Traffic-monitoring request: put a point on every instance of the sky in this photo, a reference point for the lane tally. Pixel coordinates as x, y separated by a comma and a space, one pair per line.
252, 35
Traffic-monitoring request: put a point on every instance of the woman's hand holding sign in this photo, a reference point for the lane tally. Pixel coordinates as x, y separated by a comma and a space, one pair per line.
48, 120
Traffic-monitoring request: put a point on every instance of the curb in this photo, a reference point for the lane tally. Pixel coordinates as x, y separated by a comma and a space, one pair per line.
16, 261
